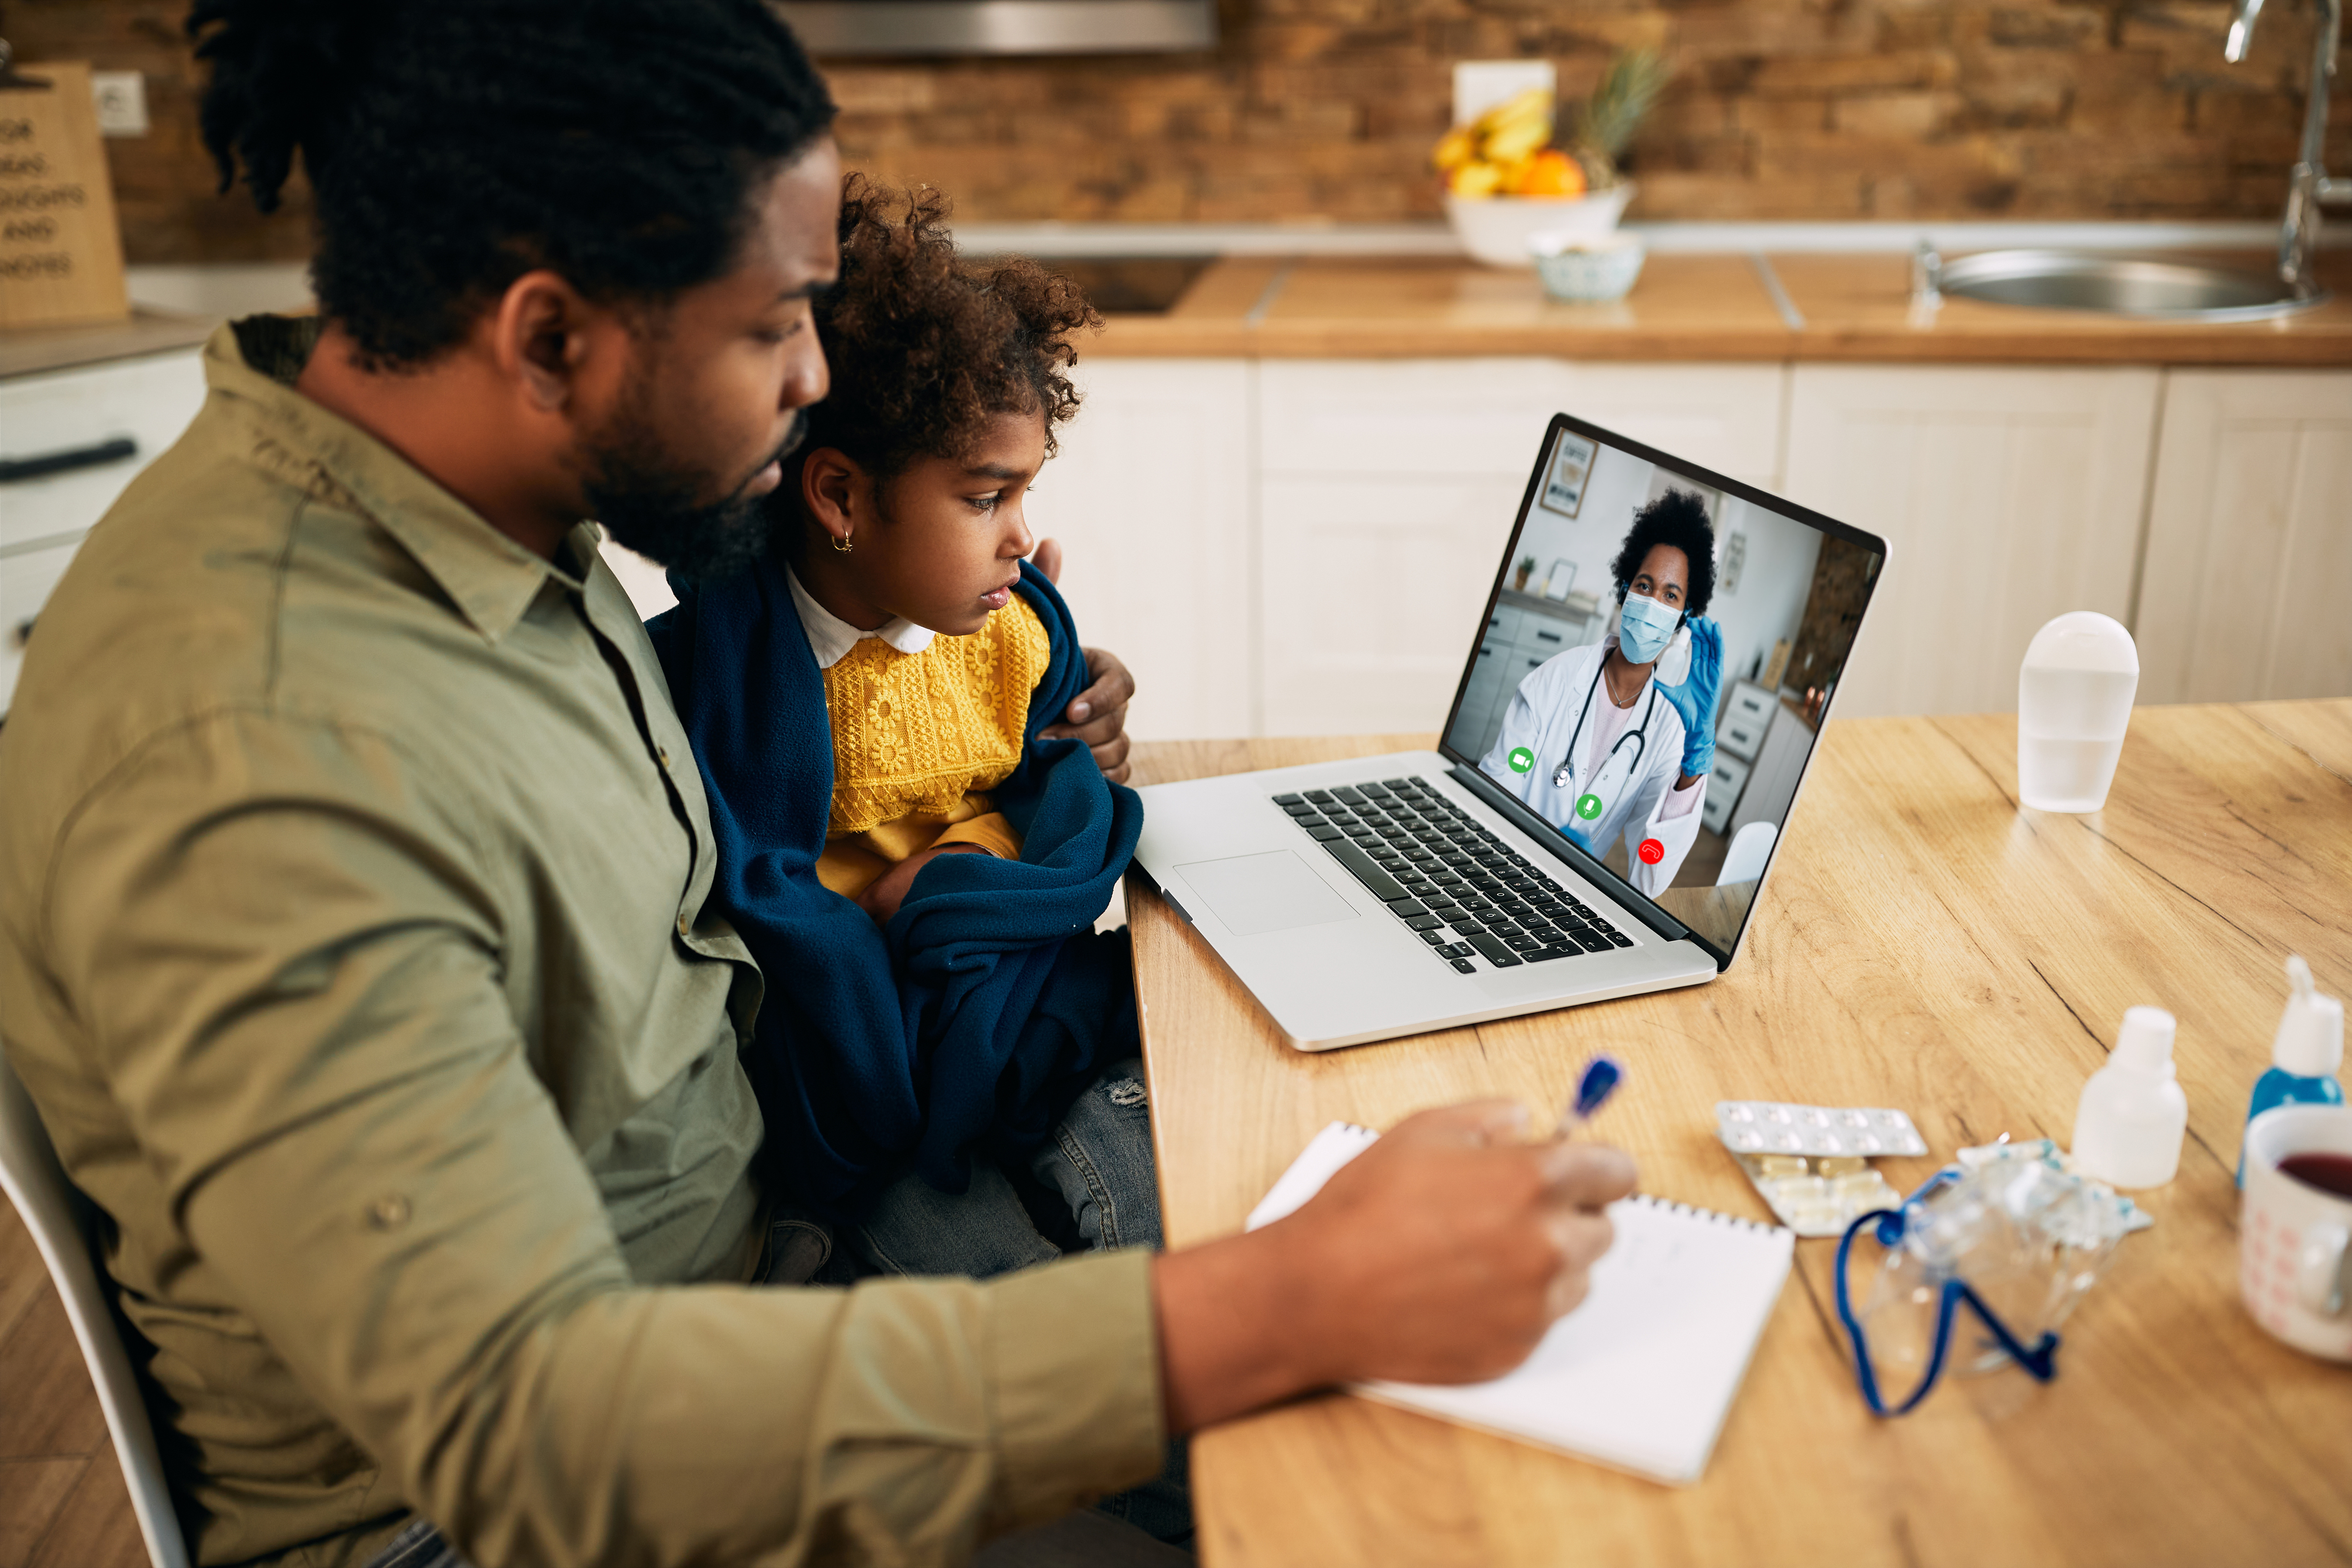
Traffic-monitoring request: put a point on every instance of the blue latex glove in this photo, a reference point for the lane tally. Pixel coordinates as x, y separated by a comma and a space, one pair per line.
1695, 698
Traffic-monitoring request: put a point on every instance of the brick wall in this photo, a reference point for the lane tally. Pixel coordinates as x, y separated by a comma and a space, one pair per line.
1780, 109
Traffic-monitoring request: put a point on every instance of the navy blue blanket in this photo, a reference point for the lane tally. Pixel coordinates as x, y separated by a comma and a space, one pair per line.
971, 1020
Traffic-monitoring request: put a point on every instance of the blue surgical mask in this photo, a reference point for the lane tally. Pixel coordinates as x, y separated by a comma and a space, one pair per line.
1645, 628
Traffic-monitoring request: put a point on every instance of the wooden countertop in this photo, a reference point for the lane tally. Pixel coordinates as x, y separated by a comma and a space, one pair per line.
146, 330
1685, 306
1925, 943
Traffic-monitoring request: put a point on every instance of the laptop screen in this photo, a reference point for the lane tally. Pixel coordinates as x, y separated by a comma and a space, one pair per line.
1588, 699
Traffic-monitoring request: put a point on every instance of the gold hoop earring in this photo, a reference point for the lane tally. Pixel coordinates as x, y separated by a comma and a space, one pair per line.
842, 545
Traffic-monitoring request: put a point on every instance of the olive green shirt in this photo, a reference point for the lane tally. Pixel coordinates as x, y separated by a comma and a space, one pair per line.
355, 945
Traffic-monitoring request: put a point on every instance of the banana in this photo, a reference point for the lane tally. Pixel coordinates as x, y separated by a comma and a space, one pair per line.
1516, 142
1456, 148
1475, 180
1529, 103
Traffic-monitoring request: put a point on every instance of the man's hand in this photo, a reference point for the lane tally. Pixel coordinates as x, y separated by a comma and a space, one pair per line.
885, 892
1440, 1254
1098, 714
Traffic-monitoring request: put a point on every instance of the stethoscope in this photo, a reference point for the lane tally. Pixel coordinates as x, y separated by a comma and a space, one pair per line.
1639, 735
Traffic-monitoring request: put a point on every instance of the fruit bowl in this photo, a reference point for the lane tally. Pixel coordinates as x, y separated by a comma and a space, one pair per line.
1497, 229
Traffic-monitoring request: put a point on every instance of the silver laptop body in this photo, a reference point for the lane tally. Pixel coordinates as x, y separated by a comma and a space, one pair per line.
1319, 896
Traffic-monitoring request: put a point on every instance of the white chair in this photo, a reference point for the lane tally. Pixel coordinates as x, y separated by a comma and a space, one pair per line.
62, 1222
1750, 847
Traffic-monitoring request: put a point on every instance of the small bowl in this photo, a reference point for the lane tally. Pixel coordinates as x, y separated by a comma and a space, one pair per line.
1584, 271
1496, 229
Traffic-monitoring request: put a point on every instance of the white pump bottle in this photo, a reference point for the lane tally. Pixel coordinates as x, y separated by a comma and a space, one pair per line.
2132, 1117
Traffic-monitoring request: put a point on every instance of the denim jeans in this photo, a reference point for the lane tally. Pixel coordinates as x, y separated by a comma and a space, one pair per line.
418, 1545
1098, 1166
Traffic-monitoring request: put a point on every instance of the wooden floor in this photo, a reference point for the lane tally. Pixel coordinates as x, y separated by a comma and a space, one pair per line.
62, 1502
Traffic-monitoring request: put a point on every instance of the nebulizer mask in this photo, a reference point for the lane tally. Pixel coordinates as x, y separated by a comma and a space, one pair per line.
2009, 1234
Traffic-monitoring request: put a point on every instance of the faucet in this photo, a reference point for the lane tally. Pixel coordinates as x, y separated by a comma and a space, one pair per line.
2308, 184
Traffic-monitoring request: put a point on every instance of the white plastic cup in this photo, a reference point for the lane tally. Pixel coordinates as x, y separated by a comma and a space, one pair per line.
2073, 704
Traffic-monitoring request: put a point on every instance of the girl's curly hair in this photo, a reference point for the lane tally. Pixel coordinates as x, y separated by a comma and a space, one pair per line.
926, 349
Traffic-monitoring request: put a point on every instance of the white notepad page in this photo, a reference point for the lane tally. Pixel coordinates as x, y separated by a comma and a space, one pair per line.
1643, 1372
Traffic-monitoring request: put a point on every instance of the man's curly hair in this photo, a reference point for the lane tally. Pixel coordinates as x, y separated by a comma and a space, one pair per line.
1678, 518
926, 349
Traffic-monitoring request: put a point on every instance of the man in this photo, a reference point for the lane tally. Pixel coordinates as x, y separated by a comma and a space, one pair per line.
353, 869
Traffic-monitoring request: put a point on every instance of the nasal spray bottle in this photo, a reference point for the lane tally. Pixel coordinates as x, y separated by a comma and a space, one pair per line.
2306, 1055
2132, 1117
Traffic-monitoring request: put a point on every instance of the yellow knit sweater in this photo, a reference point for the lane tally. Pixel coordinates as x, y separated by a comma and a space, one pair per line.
919, 738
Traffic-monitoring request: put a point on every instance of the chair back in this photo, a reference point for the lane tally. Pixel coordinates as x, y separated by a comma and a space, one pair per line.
1750, 847
63, 1227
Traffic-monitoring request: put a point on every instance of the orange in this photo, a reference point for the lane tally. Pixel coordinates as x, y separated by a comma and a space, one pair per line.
1550, 172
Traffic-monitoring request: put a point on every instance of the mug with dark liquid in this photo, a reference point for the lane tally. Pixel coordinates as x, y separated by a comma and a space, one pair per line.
2295, 1235
2331, 1173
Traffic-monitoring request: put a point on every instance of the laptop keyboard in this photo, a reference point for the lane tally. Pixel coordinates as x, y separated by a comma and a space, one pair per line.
1458, 887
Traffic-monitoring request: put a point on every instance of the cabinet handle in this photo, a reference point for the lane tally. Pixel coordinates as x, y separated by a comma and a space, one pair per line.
1547, 636
15, 470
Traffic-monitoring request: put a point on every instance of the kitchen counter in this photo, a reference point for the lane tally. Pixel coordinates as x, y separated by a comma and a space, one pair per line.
1755, 307
29, 351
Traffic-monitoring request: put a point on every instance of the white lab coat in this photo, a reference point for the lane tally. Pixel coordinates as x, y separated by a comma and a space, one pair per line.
1543, 716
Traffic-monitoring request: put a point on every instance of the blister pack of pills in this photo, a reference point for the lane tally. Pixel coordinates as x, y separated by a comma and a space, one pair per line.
1819, 1195
1768, 1127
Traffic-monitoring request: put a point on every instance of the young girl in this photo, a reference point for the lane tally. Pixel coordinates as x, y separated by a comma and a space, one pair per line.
916, 869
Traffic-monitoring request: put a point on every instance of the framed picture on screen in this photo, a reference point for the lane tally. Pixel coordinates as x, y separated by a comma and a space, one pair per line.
1571, 466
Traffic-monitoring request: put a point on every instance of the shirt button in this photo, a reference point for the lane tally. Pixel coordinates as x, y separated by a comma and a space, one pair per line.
663, 754
684, 925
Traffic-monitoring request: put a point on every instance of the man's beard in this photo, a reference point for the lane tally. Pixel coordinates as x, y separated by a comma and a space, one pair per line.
651, 503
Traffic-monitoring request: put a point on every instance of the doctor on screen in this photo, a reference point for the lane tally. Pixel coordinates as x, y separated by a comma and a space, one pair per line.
1617, 737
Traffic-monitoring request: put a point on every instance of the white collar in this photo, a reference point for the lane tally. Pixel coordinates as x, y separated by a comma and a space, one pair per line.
831, 637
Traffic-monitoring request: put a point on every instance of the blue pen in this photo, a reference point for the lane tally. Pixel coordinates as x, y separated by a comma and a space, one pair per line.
1599, 1081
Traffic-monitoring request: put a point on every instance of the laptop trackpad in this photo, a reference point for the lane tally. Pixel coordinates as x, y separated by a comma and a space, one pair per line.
1274, 891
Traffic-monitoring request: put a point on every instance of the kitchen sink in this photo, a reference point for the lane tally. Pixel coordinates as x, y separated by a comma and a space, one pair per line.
2119, 286
1144, 285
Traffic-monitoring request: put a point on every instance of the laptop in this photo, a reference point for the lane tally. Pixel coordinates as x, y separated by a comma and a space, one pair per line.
1549, 852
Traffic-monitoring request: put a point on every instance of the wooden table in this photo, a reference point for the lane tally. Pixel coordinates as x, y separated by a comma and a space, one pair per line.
1923, 943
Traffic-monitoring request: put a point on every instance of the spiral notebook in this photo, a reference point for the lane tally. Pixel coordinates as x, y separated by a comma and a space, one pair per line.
1641, 1375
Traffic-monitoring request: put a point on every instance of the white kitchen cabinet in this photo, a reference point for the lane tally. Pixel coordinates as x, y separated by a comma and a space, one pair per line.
1150, 498
1302, 546
1387, 490
107, 422
1459, 417
2006, 496
2249, 567
145, 402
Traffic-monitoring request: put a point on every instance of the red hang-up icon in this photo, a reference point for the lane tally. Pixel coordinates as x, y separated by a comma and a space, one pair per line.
1652, 851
